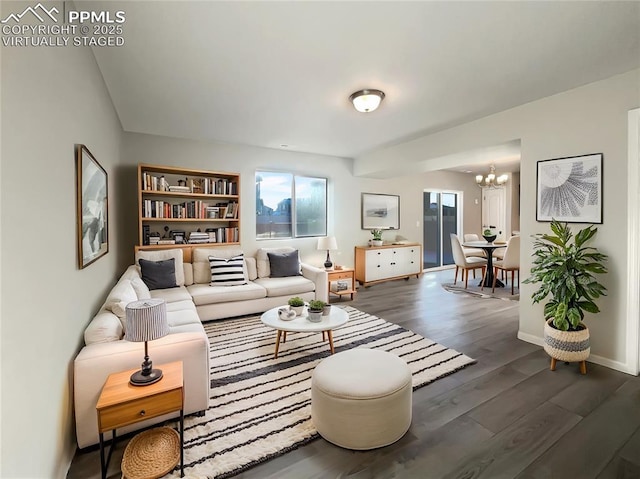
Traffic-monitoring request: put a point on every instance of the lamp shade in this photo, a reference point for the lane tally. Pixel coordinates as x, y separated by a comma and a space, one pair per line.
146, 320
327, 243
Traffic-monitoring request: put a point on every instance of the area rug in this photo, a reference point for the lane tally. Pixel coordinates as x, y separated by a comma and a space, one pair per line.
475, 291
260, 407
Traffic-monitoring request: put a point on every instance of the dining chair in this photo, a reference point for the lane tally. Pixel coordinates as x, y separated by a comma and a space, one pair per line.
473, 252
465, 263
510, 262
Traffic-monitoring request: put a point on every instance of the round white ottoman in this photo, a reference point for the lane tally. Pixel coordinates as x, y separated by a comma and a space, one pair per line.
361, 398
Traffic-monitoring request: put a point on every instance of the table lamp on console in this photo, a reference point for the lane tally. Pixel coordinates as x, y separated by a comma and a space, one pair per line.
146, 321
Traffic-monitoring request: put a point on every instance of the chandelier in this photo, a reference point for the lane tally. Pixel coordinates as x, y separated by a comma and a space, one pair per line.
491, 180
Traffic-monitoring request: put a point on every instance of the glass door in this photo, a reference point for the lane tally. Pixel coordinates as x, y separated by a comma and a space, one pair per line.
440, 219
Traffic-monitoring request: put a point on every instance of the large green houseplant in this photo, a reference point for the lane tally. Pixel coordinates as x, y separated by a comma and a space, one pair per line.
564, 267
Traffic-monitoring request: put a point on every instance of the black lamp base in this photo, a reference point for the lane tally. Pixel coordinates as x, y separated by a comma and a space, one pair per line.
328, 264
140, 379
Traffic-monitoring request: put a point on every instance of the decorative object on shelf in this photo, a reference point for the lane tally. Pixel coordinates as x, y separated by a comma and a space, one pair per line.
297, 305
366, 101
491, 180
565, 269
489, 236
327, 243
380, 211
570, 189
92, 208
146, 321
314, 311
377, 237
286, 314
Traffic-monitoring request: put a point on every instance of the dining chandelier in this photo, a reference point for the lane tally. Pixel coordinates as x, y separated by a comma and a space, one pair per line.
491, 180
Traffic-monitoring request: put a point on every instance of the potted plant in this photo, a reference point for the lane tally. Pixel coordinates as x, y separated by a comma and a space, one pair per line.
314, 310
297, 305
489, 235
565, 269
326, 310
377, 237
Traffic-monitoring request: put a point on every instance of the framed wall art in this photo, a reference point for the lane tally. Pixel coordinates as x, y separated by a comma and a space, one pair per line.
570, 189
92, 208
380, 211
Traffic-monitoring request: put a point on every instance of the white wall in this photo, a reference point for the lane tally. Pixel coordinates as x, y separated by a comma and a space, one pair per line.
52, 98
589, 119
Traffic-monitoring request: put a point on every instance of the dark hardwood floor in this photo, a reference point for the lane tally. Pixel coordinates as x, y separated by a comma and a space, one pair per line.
507, 416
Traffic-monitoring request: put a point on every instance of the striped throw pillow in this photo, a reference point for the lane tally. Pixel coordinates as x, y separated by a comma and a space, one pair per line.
227, 271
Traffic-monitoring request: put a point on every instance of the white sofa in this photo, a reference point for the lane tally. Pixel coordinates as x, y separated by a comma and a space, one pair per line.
194, 300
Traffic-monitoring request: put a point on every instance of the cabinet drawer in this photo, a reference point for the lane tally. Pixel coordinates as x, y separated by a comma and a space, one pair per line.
130, 412
337, 276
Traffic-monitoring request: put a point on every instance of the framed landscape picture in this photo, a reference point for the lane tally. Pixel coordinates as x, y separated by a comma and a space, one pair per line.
380, 211
92, 208
570, 189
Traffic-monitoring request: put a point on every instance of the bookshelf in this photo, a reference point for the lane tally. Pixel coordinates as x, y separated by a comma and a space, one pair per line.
181, 207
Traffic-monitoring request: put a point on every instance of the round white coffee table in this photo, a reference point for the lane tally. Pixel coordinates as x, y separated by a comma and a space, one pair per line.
336, 318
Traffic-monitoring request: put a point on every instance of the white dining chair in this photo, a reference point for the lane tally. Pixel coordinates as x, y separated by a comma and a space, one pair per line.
510, 262
473, 252
465, 263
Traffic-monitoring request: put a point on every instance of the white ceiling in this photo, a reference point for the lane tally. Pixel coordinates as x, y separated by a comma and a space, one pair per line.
280, 73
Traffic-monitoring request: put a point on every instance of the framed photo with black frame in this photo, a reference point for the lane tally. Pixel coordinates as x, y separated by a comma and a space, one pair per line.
570, 189
380, 211
92, 208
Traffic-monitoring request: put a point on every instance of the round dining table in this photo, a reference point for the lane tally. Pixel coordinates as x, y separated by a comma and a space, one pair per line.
488, 248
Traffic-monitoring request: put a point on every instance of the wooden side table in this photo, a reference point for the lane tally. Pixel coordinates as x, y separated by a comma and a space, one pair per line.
344, 273
121, 404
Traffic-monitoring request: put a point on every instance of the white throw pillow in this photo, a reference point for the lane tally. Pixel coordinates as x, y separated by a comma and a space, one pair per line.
165, 254
141, 289
121, 295
227, 272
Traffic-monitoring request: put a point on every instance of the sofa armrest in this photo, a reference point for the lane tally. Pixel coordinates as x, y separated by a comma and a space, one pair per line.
96, 361
320, 279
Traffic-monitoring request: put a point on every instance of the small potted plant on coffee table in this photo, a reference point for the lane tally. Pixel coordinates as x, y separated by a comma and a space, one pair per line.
297, 305
314, 310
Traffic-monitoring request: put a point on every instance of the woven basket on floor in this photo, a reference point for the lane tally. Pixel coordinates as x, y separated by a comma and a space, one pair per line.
569, 346
151, 454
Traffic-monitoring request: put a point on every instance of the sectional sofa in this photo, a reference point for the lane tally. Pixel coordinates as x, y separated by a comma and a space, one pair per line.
194, 299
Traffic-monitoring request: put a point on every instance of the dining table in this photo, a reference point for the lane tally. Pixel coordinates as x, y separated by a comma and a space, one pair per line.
488, 248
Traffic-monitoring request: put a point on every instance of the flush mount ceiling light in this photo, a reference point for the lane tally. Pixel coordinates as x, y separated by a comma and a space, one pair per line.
491, 180
366, 100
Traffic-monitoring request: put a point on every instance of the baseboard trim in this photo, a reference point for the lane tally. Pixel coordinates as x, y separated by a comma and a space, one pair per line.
594, 358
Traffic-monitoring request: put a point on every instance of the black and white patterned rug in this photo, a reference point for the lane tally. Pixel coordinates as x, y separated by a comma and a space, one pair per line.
260, 407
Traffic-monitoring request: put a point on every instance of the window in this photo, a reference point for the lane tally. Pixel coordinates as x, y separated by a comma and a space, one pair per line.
289, 206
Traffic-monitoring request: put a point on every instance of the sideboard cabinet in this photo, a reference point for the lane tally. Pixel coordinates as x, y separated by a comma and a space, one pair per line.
375, 264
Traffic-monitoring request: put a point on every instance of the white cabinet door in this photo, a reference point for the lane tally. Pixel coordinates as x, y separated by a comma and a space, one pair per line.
376, 265
408, 261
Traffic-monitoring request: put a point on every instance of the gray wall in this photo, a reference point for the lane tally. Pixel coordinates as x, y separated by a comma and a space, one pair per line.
52, 98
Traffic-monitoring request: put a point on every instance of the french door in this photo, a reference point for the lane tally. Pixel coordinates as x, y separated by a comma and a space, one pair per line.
441, 218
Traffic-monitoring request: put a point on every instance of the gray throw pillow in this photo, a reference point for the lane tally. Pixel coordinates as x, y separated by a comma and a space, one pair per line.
284, 264
158, 274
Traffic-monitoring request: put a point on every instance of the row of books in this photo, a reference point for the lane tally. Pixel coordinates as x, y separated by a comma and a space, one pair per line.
189, 209
207, 186
215, 235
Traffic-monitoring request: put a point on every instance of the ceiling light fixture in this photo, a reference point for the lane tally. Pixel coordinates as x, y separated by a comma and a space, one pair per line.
491, 180
366, 101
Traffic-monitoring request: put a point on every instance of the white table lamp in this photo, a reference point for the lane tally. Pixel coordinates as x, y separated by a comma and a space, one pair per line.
146, 321
327, 243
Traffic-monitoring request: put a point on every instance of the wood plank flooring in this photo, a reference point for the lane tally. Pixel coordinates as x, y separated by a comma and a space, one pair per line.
507, 416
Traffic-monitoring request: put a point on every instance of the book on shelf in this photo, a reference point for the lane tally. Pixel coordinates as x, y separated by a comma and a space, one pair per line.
167, 241
179, 189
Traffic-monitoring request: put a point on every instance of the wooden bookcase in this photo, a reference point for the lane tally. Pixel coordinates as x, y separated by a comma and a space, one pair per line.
173, 200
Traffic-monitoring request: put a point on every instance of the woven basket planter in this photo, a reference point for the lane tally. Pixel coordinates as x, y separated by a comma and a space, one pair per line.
569, 346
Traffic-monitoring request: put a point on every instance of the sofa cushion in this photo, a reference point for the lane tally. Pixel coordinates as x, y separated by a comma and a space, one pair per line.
121, 295
172, 295
183, 305
282, 265
201, 266
252, 270
159, 274
227, 271
262, 260
159, 255
182, 317
103, 328
288, 286
206, 294
141, 289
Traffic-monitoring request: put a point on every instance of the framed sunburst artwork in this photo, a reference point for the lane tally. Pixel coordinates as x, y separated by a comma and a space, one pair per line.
570, 189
